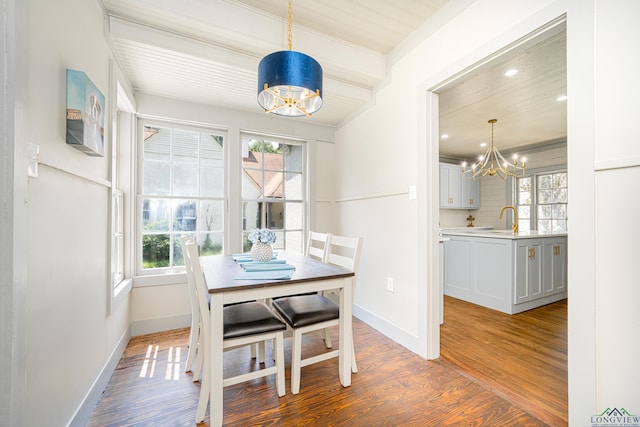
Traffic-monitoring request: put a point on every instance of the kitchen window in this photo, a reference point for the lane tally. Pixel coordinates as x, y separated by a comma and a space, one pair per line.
273, 189
542, 202
181, 192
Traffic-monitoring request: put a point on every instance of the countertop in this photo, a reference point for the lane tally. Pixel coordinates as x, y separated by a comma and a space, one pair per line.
500, 234
462, 228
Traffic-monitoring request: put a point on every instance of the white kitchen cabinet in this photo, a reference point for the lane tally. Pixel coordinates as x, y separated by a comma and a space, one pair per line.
450, 177
470, 194
503, 270
541, 268
456, 192
554, 253
528, 271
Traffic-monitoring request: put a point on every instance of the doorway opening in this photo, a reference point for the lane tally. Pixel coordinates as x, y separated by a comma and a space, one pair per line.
531, 120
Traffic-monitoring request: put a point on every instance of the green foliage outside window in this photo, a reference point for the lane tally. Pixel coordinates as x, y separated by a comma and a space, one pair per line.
155, 250
266, 146
208, 248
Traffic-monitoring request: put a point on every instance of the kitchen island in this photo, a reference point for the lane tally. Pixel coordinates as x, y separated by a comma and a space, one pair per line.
505, 271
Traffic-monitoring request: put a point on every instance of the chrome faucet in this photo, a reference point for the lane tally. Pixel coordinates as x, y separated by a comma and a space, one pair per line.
514, 226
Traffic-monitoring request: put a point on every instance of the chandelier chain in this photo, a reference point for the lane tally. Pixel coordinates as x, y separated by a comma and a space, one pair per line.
289, 37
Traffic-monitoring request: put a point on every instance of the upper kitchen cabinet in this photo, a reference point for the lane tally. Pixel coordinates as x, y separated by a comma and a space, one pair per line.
456, 192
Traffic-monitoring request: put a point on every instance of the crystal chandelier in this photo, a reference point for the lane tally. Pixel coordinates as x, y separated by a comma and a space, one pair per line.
289, 82
493, 163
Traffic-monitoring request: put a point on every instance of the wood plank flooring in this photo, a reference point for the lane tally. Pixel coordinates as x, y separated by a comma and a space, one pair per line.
522, 357
394, 387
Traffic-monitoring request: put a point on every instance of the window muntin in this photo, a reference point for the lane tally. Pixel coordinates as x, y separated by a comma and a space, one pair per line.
273, 190
542, 202
182, 193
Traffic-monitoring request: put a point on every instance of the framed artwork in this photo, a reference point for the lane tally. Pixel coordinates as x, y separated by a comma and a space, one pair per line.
85, 114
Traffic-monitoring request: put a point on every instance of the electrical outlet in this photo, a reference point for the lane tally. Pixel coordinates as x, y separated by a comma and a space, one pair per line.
390, 284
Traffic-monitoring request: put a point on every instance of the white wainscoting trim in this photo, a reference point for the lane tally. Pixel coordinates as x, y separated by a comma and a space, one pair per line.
601, 165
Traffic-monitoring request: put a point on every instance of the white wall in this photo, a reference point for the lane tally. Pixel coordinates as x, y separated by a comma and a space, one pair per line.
69, 334
604, 157
617, 165
375, 164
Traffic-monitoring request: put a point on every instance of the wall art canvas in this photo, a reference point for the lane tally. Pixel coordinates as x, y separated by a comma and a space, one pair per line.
85, 114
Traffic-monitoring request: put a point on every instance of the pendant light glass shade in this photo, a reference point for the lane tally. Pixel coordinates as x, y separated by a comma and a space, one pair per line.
289, 84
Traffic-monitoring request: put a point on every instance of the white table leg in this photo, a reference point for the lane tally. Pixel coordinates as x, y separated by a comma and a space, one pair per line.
345, 332
216, 350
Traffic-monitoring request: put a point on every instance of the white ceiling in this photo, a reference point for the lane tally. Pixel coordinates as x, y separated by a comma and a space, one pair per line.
207, 51
525, 105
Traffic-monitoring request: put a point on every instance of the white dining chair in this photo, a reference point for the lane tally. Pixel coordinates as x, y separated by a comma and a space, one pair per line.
317, 248
194, 355
194, 333
244, 323
308, 313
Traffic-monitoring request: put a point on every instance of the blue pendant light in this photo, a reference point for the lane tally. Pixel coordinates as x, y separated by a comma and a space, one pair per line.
289, 82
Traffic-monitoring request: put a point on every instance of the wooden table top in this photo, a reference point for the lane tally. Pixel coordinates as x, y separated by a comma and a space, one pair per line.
220, 272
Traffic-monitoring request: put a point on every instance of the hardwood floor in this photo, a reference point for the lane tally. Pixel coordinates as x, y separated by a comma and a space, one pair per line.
394, 387
522, 357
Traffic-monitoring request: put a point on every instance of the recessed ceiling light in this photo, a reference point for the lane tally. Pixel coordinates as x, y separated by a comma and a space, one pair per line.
561, 98
511, 72
483, 144
444, 136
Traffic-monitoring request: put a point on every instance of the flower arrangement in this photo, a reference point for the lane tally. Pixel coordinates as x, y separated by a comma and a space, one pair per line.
263, 235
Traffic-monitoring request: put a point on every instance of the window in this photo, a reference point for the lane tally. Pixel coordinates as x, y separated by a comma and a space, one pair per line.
121, 229
273, 190
542, 202
181, 193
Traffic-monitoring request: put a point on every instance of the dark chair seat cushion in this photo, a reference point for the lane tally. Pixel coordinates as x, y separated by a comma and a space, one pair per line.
303, 310
250, 318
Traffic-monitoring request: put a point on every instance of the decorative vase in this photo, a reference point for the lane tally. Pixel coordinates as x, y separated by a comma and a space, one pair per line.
261, 252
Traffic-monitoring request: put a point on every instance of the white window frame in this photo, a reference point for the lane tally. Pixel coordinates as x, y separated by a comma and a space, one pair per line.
305, 183
120, 230
533, 174
174, 274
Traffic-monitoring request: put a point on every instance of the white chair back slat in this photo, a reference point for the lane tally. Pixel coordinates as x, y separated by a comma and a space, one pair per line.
317, 246
344, 251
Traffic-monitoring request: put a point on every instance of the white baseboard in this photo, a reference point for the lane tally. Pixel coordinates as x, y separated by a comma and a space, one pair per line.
88, 405
390, 330
150, 326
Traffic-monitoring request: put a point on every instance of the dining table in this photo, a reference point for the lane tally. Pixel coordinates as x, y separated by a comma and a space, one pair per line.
228, 282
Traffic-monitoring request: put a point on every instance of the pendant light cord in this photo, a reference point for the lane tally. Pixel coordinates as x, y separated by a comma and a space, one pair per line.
289, 38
